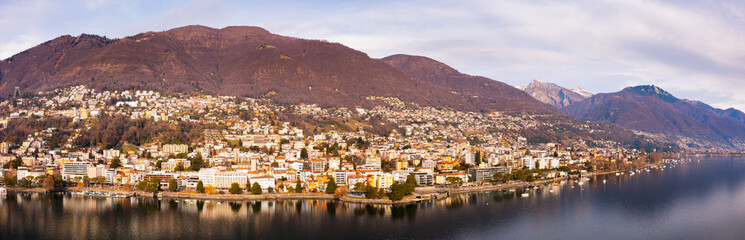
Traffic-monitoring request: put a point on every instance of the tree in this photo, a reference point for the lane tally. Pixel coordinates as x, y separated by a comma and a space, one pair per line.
498, 177
49, 182
256, 189
371, 192
235, 188
153, 185
115, 163
359, 187
298, 187
24, 182
179, 167
454, 180
331, 186
210, 189
200, 187
172, 185
410, 184
16, 163
270, 190
100, 180
197, 163
304, 153
398, 192
411, 180
9, 182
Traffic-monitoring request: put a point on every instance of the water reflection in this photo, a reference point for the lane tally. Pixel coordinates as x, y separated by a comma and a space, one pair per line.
256, 207
644, 203
235, 206
331, 208
200, 205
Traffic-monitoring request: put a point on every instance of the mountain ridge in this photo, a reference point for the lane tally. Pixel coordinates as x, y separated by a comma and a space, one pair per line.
651, 109
551, 93
240, 61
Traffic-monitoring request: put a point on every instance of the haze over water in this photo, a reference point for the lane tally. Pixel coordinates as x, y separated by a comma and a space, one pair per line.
695, 200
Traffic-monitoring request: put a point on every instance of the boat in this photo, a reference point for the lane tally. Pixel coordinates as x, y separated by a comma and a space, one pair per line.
604, 180
512, 190
3, 191
525, 195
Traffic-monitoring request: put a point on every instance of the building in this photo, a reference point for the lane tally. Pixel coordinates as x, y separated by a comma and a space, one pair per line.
334, 163
4, 148
354, 179
75, 169
175, 148
383, 180
402, 165
317, 166
207, 176
340, 177
442, 178
227, 178
96, 171
424, 178
173, 163
28, 161
163, 178
486, 173
471, 158
110, 153
265, 182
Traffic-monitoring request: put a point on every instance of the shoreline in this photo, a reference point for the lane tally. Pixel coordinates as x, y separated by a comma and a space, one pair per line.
423, 194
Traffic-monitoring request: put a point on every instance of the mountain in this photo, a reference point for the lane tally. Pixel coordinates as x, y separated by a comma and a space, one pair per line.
653, 110
550, 93
482, 90
240, 61
729, 112
582, 92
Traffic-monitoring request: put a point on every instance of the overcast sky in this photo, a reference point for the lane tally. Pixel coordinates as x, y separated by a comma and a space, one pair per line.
693, 49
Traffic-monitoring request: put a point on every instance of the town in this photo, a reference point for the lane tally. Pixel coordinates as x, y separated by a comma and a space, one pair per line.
80, 137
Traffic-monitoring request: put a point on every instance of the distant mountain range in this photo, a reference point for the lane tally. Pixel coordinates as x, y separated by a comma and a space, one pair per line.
649, 109
653, 110
553, 94
250, 61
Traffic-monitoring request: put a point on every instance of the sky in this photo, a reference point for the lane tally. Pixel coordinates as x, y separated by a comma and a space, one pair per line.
692, 49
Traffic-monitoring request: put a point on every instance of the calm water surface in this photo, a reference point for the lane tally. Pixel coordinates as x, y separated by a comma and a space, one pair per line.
696, 200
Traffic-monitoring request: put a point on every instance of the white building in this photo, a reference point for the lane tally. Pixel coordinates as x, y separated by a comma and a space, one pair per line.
75, 169
227, 178
176, 148
207, 176
110, 153
264, 181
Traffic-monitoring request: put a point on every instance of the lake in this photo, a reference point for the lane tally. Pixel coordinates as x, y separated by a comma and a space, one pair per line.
696, 200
